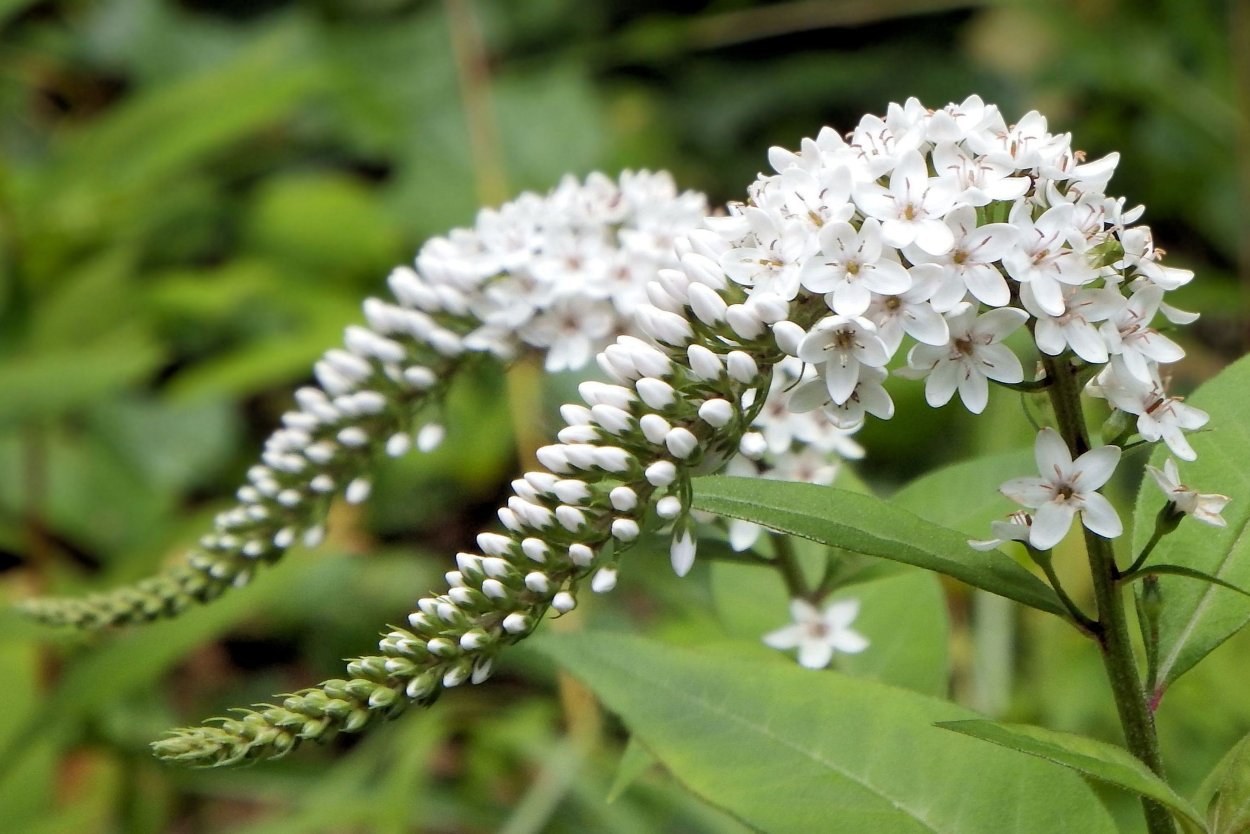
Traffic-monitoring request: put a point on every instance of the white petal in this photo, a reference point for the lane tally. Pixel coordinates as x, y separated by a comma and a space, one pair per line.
974, 390
815, 654
941, 384
1096, 467
848, 641
934, 237
1086, 343
1050, 524
1099, 516
840, 378
1051, 453
809, 396
924, 324
841, 614
1000, 323
886, 277
987, 285
1030, 491
851, 298
785, 638
998, 363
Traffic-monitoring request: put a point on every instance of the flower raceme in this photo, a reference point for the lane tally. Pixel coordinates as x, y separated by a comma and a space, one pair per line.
949, 227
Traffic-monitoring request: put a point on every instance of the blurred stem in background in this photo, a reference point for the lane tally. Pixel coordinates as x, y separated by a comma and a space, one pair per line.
581, 711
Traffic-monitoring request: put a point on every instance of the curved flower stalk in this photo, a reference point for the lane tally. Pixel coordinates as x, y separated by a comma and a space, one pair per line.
621, 465
561, 273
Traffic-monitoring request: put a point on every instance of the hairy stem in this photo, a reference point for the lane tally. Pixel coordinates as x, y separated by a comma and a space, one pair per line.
1112, 632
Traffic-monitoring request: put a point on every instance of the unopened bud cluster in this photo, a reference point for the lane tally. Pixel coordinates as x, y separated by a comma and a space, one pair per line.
562, 273
678, 405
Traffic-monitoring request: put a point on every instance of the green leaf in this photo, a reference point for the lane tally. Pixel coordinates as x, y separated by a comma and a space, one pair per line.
635, 761
1226, 791
1105, 762
863, 524
786, 749
52, 382
1197, 617
964, 496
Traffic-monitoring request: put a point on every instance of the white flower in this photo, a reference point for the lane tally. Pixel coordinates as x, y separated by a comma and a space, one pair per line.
973, 355
1158, 415
850, 267
911, 209
1065, 488
1075, 327
980, 180
818, 635
969, 266
1130, 336
773, 263
841, 346
868, 397
1042, 257
910, 312
1015, 529
1203, 506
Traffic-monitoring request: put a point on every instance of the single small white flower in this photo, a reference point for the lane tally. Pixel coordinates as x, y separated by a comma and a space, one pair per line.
1159, 417
911, 209
971, 264
1130, 336
819, 634
1065, 488
974, 355
1075, 327
911, 312
850, 267
1043, 257
867, 397
841, 346
1203, 506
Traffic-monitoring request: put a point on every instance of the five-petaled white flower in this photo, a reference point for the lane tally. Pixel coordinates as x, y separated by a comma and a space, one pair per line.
1203, 506
840, 346
973, 356
819, 634
1065, 488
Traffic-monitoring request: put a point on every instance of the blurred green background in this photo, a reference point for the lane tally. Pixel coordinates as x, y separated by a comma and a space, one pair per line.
195, 197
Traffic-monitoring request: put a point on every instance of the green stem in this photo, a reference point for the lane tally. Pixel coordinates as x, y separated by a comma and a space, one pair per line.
787, 564
1112, 631
1082, 620
1158, 534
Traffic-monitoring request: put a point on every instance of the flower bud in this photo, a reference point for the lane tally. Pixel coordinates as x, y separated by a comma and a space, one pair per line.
654, 427
716, 413
681, 442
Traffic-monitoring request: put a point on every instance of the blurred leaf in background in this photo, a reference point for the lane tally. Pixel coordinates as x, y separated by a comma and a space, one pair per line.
194, 198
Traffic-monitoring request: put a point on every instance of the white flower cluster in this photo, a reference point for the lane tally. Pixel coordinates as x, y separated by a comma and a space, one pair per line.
956, 229
562, 272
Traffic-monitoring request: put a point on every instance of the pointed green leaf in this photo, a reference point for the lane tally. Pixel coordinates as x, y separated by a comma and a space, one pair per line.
788, 749
1102, 761
1227, 791
964, 496
1197, 617
868, 525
